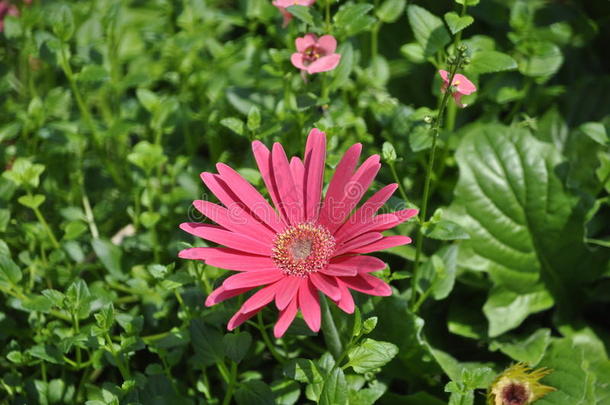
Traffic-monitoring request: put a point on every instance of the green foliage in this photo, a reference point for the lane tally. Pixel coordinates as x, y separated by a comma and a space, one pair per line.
112, 109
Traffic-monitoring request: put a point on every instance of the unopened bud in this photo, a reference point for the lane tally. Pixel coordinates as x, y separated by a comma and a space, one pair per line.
462, 48
428, 119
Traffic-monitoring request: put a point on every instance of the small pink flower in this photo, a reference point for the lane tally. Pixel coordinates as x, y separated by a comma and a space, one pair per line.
461, 86
306, 242
315, 55
283, 4
6, 8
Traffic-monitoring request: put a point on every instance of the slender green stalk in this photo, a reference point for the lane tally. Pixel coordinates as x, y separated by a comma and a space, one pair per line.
123, 368
329, 330
267, 340
424, 208
231, 385
375, 40
46, 226
401, 189
329, 26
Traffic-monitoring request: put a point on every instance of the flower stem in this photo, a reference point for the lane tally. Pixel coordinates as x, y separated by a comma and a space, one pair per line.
231, 384
424, 208
329, 329
46, 226
401, 189
267, 340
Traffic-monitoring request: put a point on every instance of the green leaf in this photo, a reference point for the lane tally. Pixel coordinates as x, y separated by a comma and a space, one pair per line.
367, 396
254, 393
457, 23
580, 378
369, 325
78, 299
413, 52
93, 73
303, 370
344, 69
445, 230
353, 18
524, 225
147, 156
32, 201
595, 131
62, 22
110, 255
12, 27
390, 10
334, 391
303, 13
370, 355
207, 342
429, 30
24, 173
445, 281
285, 392
506, 309
491, 61
528, 350
420, 138
254, 118
236, 345
148, 99
467, 2
540, 59
234, 124
9, 271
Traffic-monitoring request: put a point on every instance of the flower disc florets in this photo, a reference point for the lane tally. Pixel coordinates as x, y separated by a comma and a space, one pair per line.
303, 249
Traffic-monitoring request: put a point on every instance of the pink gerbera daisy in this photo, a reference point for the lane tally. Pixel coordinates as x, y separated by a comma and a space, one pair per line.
300, 247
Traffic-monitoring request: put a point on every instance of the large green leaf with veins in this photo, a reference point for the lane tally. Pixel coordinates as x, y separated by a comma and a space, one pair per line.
525, 227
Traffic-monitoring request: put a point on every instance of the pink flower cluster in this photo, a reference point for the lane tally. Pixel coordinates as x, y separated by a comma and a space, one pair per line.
461, 86
314, 54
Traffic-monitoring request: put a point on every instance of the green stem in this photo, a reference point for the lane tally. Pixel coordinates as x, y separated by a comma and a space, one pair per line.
76, 326
329, 330
329, 26
46, 226
123, 368
231, 385
424, 209
375, 40
267, 340
401, 189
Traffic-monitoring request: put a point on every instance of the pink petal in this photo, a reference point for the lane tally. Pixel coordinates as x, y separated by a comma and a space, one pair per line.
251, 279
328, 44
220, 294
240, 318
230, 239
250, 196
263, 160
298, 172
342, 175
302, 43
366, 211
287, 289
346, 302
328, 285
353, 192
226, 194
259, 299
359, 241
315, 156
228, 258
457, 96
464, 85
298, 61
444, 75
358, 264
385, 243
368, 284
324, 64
285, 319
236, 220
310, 307
287, 191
